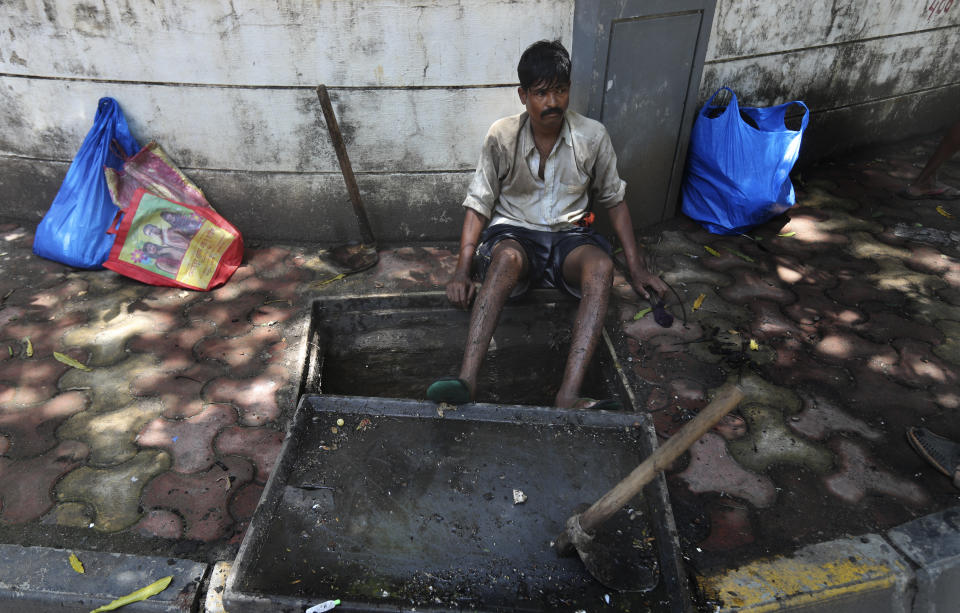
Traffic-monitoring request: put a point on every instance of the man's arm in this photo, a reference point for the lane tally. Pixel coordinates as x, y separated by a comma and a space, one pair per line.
460, 288
639, 274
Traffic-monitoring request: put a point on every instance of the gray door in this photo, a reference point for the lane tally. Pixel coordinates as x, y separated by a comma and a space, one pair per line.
636, 68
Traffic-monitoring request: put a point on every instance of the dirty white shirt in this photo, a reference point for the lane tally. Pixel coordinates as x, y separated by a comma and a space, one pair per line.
580, 170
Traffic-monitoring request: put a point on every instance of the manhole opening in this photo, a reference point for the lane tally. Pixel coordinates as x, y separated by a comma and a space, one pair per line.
393, 347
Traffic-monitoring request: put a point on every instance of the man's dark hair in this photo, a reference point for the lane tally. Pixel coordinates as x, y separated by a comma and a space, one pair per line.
546, 62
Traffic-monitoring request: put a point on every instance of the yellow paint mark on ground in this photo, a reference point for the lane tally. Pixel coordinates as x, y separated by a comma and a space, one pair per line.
772, 585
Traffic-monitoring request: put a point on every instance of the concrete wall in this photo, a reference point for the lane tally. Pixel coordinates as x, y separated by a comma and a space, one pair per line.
870, 70
227, 87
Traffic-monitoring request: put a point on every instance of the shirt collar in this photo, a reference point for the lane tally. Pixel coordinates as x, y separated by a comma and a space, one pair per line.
527, 143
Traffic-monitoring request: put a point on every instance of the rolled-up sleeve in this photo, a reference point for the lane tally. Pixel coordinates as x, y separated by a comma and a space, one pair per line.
485, 187
607, 188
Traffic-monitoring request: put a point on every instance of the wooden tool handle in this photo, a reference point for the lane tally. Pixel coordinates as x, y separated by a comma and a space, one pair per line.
345, 167
726, 399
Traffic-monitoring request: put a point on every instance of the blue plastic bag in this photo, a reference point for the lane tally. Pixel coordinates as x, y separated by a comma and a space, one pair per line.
74, 230
738, 172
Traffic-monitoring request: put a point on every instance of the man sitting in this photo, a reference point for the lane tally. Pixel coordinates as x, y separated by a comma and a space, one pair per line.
540, 174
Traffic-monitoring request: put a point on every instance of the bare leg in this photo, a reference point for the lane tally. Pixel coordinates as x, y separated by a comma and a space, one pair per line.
944, 151
591, 269
507, 266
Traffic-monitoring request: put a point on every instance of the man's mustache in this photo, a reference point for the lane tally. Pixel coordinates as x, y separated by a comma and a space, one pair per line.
553, 111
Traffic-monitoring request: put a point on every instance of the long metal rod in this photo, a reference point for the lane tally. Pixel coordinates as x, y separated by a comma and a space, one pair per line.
334, 128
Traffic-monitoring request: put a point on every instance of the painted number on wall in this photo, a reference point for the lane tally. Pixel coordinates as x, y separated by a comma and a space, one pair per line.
939, 7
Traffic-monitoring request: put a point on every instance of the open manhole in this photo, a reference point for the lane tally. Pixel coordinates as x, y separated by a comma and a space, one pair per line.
386, 502
395, 347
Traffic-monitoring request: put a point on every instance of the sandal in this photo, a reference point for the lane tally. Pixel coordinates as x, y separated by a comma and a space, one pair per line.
450, 390
943, 453
937, 192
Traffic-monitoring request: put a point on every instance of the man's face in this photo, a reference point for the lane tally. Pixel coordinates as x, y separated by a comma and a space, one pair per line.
546, 103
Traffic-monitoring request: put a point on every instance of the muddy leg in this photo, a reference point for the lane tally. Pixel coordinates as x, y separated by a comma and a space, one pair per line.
591, 269
507, 266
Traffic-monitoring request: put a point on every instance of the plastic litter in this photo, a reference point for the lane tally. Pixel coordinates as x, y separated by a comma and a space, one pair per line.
73, 231
323, 606
738, 170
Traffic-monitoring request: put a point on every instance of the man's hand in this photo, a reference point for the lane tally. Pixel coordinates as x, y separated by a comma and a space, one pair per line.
460, 290
642, 279
640, 275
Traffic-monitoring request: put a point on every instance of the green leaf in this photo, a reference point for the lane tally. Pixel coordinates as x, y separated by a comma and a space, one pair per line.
65, 359
787, 234
712, 251
142, 594
641, 313
742, 256
76, 564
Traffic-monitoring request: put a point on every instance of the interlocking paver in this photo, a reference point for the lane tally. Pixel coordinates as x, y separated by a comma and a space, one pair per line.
256, 397
29, 380
918, 366
107, 386
161, 523
261, 445
770, 322
113, 493
201, 498
229, 316
70, 515
812, 307
30, 431
841, 345
111, 435
769, 442
822, 417
245, 354
859, 475
713, 469
173, 347
25, 485
189, 441
886, 326
180, 390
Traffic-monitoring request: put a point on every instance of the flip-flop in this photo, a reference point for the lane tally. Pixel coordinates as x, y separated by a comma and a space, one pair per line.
943, 453
607, 404
450, 390
939, 192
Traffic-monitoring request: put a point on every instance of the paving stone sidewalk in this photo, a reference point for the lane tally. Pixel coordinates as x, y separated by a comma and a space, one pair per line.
841, 321
164, 441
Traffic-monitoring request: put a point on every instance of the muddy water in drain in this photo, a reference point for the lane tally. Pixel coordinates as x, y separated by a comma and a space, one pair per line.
396, 353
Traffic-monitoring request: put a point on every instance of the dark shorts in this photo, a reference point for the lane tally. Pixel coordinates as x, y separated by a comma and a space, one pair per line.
545, 251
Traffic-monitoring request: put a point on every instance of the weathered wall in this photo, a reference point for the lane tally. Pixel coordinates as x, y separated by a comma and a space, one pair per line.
227, 88
870, 70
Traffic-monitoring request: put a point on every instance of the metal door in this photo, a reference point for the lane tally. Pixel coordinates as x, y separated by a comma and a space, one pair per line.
637, 67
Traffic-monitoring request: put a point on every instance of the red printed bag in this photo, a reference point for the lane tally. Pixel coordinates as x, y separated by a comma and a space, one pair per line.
162, 242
